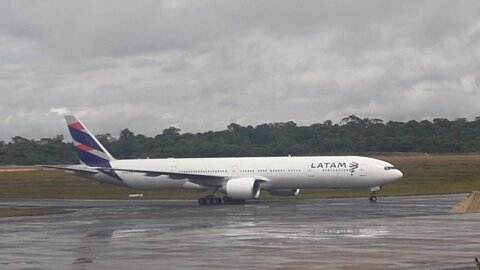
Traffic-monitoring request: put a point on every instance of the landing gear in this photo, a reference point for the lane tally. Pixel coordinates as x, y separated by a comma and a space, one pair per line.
212, 200
209, 200
373, 193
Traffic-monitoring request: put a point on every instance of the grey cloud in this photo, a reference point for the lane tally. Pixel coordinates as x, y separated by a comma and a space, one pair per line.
144, 62
175, 65
200, 65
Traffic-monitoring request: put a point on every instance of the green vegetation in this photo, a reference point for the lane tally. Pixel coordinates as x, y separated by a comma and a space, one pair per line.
423, 175
59, 185
351, 135
435, 174
438, 174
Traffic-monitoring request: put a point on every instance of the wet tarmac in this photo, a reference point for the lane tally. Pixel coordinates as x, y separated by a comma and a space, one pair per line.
394, 233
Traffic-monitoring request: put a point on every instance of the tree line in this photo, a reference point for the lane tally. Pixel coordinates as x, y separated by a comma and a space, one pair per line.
352, 135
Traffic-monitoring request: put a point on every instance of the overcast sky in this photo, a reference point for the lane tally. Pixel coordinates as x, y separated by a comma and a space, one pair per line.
200, 65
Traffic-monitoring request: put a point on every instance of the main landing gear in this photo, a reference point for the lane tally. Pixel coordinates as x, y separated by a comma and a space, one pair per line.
373, 193
212, 200
209, 200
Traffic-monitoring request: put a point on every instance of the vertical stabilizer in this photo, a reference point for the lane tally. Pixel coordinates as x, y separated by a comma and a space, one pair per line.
89, 149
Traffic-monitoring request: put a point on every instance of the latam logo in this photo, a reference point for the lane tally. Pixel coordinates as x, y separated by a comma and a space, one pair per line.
352, 166
329, 165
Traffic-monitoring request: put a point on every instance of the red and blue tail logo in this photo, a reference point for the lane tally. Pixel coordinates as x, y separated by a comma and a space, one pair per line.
89, 150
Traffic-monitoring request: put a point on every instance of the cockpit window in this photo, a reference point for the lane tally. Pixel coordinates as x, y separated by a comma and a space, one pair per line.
388, 168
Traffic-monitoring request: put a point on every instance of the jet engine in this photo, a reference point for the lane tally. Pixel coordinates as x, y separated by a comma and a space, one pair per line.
284, 192
245, 188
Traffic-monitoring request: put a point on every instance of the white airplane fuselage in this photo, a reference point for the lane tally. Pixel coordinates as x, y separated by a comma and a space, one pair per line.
278, 172
239, 178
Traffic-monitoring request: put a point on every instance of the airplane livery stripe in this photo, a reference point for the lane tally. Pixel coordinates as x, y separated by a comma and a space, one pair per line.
84, 147
92, 151
92, 159
77, 126
83, 138
99, 154
113, 174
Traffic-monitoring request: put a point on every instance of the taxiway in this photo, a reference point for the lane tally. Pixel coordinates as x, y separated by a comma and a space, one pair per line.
394, 233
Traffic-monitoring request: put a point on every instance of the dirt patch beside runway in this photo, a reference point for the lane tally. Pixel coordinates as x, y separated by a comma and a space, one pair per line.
471, 204
21, 169
16, 212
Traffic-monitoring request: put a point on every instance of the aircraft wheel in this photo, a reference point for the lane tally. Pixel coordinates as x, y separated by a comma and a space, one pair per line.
226, 199
373, 198
209, 201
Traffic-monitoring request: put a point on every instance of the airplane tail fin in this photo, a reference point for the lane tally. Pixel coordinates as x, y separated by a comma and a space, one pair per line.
90, 151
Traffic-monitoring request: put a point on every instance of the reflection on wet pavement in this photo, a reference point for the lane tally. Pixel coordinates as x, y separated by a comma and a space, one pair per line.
396, 232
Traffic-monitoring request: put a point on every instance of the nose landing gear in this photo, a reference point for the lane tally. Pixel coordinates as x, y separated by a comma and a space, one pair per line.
373, 193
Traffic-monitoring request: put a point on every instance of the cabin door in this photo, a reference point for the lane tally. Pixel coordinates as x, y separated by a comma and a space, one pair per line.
363, 169
311, 171
235, 170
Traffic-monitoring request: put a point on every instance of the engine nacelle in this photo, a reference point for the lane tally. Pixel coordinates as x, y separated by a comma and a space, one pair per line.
284, 192
245, 188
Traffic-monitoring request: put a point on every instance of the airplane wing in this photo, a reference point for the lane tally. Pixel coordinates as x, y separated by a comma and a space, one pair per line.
152, 173
172, 175
201, 179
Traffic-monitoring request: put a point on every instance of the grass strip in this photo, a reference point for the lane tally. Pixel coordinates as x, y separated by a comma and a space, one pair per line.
423, 174
21, 211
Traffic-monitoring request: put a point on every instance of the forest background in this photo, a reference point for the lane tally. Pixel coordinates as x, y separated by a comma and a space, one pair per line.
352, 135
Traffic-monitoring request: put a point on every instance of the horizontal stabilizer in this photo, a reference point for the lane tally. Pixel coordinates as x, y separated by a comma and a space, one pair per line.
74, 168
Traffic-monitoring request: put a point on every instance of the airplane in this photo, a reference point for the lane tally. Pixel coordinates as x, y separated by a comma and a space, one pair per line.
239, 179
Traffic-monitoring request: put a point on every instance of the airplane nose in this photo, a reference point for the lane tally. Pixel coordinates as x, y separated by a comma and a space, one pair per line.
398, 174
